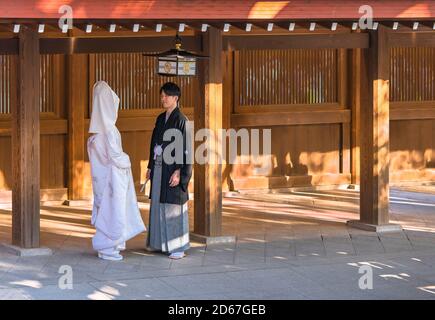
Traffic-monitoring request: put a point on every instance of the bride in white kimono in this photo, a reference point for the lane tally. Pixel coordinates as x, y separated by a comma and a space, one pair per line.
115, 212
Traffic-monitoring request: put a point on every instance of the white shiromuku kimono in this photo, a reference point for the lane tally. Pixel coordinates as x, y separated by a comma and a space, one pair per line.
115, 212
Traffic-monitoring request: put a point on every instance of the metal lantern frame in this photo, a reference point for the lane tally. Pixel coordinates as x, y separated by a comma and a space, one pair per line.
176, 62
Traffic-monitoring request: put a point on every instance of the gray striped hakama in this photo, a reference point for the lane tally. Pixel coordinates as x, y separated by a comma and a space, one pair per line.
168, 229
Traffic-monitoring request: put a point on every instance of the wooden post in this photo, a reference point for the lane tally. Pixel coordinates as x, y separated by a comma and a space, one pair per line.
208, 177
374, 115
77, 66
343, 100
227, 110
25, 144
355, 69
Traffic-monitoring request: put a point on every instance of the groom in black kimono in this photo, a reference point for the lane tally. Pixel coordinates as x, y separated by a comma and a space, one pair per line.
169, 222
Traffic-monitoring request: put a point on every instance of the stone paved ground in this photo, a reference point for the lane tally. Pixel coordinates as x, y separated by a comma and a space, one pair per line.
289, 246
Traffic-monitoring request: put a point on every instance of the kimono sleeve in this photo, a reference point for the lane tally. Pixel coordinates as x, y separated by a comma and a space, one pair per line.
185, 167
114, 150
152, 144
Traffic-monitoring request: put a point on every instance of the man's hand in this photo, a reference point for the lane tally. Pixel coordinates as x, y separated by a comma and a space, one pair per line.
175, 178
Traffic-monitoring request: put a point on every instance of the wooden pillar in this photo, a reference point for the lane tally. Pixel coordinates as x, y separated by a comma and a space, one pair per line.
25, 144
227, 110
375, 135
77, 88
208, 177
355, 70
343, 100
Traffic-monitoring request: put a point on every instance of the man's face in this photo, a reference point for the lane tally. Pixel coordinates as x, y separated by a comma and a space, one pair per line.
168, 101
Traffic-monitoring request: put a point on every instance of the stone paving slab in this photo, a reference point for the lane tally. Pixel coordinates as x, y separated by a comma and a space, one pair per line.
14, 294
367, 244
310, 247
219, 258
338, 246
78, 292
152, 288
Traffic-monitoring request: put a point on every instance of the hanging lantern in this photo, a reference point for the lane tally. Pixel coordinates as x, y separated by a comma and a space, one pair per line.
176, 62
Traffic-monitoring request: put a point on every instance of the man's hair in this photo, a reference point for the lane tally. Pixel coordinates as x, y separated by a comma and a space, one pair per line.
171, 89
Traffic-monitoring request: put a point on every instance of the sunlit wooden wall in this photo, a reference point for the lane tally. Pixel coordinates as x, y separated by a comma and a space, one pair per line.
53, 123
270, 78
301, 95
412, 91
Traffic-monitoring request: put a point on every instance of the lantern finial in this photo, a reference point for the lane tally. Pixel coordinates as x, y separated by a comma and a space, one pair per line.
177, 42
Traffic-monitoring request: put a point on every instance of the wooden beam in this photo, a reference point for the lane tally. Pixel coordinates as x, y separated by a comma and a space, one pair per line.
196, 25
374, 115
289, 118
193, 43
9, 46
305, 25
137, 120
108, 45
328, 25
208, 177
54, 194
25, 144
46, 127
305, 41
242, 25
277, 181
265, 24
408, 26
412, 113
286, 107
77, 93
174, 25
412, 39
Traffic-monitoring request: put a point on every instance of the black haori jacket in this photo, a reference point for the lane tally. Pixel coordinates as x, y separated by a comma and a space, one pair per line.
179, 194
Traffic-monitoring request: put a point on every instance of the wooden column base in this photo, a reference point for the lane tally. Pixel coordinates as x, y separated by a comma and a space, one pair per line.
77, 203
212, 240
389, 227
23, 252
